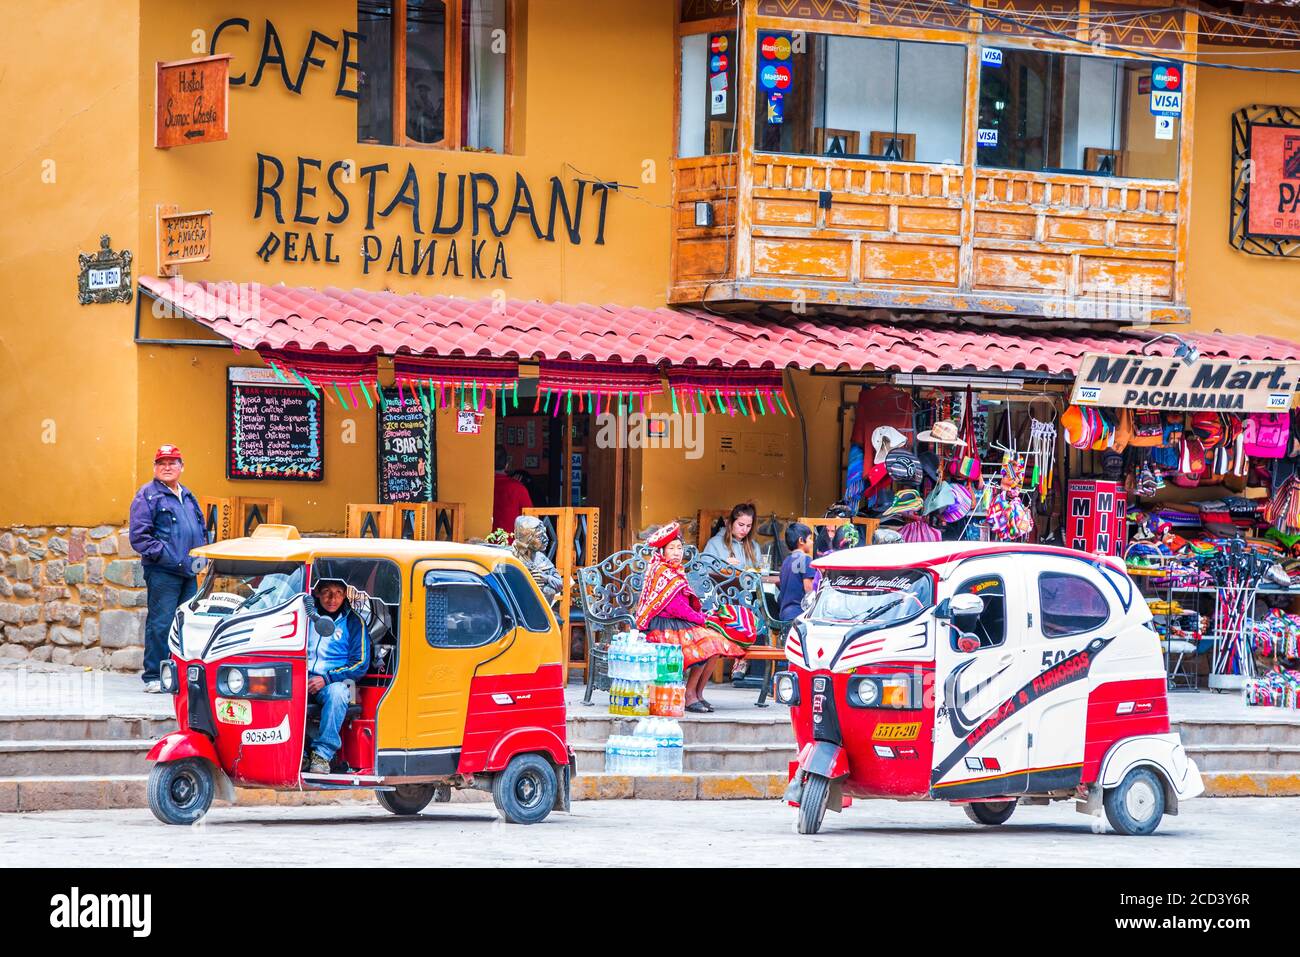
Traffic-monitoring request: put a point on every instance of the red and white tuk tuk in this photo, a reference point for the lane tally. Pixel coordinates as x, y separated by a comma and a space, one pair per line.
985, 675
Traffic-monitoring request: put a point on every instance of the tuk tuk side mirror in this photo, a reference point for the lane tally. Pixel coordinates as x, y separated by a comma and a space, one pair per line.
808, 601
959, 606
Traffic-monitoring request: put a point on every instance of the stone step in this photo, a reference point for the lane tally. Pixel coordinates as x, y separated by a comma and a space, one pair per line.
46, 727
1245, 757
63, 757
707, 729
736, 758
1198, 731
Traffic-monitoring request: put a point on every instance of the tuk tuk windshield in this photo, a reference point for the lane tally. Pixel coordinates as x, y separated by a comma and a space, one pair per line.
241, 586
873, 599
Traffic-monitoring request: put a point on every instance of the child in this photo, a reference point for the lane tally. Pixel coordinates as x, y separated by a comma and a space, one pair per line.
796, 571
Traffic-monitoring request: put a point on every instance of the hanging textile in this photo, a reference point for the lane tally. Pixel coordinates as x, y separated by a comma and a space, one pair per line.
457, 382
336, 375
728, 391
595, 386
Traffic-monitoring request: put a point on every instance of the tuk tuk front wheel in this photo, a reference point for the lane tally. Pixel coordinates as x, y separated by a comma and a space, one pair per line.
812, 803
408, 798
180, 792
990, 813
1135, 805
525, 791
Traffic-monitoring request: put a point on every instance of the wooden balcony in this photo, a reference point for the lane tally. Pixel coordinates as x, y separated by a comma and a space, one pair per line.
839, 232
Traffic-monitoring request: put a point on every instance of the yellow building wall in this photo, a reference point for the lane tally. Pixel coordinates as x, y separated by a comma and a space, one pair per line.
1230, 290
68, 371
596, 98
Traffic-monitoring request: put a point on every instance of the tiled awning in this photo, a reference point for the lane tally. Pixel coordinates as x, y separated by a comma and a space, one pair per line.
361, 321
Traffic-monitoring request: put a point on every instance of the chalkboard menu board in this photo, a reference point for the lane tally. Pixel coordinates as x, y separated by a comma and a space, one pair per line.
273, 431
408, 458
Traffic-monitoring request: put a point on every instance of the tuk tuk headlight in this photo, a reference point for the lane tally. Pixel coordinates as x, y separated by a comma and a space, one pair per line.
864, 692
786, 688
884, 691
167, 676
235, 680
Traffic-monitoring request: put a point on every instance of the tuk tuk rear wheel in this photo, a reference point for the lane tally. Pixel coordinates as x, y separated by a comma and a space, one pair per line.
525, 791
180, 792
1135, 805
990, 813
407, 798
812, 803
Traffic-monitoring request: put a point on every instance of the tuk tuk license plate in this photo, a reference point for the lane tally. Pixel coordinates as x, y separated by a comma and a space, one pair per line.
234, 712
898, 731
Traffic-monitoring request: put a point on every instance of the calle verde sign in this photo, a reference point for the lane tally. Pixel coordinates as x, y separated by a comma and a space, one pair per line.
1165, 382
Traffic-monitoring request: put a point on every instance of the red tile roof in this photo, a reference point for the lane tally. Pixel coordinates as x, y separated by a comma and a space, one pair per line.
364, 321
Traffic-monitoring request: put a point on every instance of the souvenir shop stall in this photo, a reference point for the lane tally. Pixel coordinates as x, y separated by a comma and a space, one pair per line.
1207, 510
955, 458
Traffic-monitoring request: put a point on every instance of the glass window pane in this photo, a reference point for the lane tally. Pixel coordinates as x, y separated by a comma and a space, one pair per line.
1070, 605
708, 95
460, 611
426, 31
375, 72
990, 626
484, 71
860, 96
1054, 111
520, 586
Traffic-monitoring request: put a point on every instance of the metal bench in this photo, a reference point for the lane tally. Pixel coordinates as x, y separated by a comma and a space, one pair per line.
609, 591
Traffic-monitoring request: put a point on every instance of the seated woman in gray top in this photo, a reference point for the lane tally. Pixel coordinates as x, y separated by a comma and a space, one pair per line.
734, 542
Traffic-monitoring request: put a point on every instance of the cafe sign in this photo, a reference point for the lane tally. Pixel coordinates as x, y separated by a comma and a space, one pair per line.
1169, 383
191, 101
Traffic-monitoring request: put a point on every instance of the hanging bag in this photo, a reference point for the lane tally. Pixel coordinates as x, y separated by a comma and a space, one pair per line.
1123, 431
1148, 429
1265, 435
967, 465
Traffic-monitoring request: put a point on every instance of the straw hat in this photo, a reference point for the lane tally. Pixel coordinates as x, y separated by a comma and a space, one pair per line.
944, 432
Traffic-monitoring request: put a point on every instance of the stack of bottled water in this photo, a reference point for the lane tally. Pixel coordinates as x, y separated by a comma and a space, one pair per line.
632, 669
655, 747
668, 694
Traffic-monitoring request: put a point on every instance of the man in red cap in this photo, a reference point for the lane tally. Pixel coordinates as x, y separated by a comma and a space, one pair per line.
166, 523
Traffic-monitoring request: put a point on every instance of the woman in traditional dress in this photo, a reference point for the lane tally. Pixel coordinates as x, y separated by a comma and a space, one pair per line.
669, 612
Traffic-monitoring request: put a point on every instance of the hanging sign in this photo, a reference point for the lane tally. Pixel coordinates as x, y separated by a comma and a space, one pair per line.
191, 101
1166, 382
469, 422
1275, 190
406, 456
273, 430
182, 238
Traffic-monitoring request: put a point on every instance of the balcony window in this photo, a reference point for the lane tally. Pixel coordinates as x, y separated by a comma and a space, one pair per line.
862, 97
1067, 113
708, 111
434, 73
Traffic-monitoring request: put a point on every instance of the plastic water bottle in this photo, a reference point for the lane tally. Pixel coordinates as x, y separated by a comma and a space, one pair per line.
676, 746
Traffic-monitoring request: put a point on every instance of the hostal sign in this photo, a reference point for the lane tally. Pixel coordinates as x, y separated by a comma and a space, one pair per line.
1162, 382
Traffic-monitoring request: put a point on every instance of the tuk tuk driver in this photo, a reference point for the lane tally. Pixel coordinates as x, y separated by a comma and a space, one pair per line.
331, 660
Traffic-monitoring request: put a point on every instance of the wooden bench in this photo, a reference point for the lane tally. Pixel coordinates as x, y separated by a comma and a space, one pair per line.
609, 591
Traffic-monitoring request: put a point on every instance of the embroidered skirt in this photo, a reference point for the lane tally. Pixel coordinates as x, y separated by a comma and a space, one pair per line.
698, 642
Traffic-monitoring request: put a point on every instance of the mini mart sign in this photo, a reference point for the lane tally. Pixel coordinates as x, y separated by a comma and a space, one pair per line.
1168, 383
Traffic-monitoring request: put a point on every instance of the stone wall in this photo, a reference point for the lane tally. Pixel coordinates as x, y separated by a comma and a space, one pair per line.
72, 596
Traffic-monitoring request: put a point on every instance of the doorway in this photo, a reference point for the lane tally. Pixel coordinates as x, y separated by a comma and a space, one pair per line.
562, 465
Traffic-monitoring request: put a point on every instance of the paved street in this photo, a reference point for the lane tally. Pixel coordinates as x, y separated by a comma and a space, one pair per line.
1211, 832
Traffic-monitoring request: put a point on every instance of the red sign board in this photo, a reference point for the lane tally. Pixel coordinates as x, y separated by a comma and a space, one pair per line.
1274, 200
1096, 516
191, 101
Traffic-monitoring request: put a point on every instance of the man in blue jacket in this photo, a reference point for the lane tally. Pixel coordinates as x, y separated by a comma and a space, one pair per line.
166, 522
331, 659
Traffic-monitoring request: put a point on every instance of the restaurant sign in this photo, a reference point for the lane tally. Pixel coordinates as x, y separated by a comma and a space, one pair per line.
1169, 383
191, 100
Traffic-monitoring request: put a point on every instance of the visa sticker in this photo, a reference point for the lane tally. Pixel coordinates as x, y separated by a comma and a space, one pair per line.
986, 138
991, 56
897, 731
233, 711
